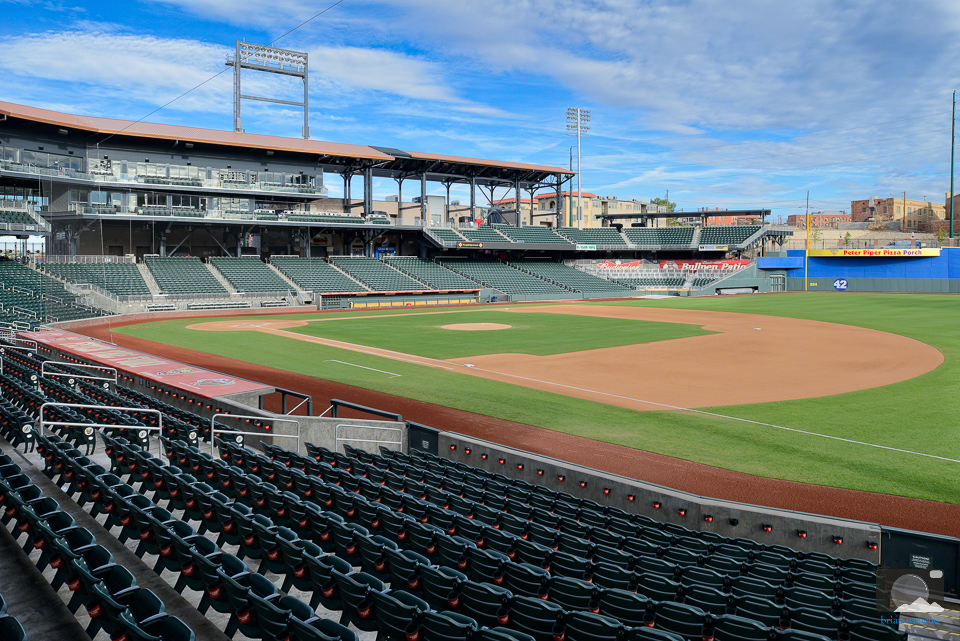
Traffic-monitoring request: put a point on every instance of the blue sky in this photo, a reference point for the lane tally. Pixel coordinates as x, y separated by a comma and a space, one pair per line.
724, 104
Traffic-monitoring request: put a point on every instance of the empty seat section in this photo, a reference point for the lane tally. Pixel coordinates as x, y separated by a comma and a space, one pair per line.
377, 275
568, 277
316, 275
183, 275
657, 282
339, 219
37, 297
606, 237
250, 275
484, 234
659, 237
122, 279
727, 235
530, 234
434, 275
502, 277
446, 234
16, 217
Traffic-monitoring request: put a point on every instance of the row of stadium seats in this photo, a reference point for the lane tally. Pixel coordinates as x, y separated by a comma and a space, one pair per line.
567, 277
316, 275
732, 235
183, 275
10, 627
529, 234
433, 274
377, 275
345, 219
107, 590
502, 277
16, 217
250, 274
26, 295
600, 236
679, 236
643, 283
122, 279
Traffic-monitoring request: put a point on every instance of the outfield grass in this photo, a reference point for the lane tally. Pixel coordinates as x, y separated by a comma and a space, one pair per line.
919, 414
530, 333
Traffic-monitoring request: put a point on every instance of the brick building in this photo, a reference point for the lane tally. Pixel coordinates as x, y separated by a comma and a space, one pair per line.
819, 219
880, 209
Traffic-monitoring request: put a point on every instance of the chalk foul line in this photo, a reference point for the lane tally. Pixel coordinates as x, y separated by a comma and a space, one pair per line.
363, 367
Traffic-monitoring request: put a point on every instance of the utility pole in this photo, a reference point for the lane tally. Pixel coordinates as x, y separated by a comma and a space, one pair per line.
806, 254
577, 120
953, 122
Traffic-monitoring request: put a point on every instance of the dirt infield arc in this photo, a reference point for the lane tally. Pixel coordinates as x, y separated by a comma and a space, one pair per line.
742, 362
897, 511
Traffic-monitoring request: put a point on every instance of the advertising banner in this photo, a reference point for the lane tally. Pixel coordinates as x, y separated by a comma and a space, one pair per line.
882, 252
616, 264
197, 380
700, 265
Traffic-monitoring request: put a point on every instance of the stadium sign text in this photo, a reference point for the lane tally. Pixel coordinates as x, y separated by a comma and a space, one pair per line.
718, 265
586, 248
882, 252
463, 245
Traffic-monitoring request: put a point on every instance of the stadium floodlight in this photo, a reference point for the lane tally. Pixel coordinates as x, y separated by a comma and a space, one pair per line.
577, 120
270, 60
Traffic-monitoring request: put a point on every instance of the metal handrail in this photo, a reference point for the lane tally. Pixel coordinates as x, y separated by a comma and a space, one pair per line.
213, 434
44, 372
338, 438
159, 428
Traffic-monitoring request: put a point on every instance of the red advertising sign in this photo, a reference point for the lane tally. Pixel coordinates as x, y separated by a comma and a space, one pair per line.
701, 265
616, 264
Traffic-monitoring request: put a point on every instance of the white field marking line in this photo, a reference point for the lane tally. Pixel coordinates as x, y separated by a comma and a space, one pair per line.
364, 349
716, 415
362, 367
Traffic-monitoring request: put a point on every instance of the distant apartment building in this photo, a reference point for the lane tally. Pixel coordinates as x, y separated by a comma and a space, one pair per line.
730, 220
592, 206
819, 219
886, 209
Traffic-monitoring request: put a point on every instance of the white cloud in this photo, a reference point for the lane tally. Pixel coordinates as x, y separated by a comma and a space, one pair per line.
117, 65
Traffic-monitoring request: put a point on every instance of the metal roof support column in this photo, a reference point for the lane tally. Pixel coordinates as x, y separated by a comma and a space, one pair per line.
399, 200
446, 206
346, 191
367, 191
559, 202
532, 190
473, 197
516, 192
423, 197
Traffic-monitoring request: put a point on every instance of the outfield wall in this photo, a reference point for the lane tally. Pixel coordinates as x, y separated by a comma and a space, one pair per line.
920, 274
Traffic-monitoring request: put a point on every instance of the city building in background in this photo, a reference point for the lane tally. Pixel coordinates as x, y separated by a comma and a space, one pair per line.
819, 219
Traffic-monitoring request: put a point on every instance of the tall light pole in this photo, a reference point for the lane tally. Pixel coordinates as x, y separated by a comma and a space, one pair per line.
577, 120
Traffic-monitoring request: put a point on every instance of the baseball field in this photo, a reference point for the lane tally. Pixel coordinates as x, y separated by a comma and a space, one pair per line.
854, 391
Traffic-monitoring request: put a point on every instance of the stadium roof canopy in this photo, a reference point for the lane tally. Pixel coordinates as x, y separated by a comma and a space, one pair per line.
384, 161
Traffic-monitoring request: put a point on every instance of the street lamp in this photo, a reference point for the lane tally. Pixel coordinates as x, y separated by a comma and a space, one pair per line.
577, 120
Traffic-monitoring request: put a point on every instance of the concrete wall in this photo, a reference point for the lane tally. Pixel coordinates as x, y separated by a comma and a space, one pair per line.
729, 518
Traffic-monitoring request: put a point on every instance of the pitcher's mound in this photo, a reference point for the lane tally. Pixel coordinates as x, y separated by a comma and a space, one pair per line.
476, 327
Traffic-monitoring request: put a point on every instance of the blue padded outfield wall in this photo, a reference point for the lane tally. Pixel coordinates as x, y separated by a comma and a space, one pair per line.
930, 274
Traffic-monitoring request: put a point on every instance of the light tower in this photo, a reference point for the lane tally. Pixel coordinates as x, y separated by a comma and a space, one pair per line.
577, 120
